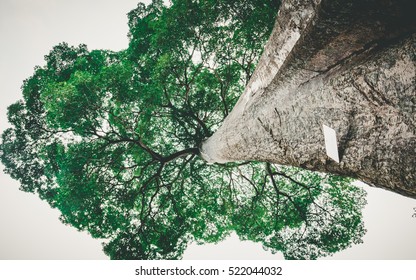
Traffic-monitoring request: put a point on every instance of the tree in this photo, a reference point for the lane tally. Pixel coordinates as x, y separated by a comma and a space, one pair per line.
350, 66
112, 140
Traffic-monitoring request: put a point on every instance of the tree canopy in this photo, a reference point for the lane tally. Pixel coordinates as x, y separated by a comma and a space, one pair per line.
111, 139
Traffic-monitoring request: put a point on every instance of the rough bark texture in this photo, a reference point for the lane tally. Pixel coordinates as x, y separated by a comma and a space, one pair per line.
350, 65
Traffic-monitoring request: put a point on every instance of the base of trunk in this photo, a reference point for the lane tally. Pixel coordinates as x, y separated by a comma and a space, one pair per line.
350, 66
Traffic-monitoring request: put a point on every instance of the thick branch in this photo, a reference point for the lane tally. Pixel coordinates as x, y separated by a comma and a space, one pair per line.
183, 153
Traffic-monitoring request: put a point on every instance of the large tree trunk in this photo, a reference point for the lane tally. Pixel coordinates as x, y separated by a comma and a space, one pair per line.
349, 65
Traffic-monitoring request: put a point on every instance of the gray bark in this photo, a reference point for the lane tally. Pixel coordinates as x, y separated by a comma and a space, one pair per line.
350, 65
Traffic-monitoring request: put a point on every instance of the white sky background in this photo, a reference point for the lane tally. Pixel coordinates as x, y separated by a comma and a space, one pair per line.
30, 229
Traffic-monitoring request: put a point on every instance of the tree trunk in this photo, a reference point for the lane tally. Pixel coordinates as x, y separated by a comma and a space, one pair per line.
349, 65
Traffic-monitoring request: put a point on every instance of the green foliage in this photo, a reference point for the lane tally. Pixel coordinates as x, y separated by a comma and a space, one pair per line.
307, 214
111, 140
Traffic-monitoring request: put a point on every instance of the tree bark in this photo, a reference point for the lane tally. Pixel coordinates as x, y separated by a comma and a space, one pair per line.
349, 65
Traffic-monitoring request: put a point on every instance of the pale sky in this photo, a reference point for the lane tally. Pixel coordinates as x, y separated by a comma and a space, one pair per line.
30, 229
